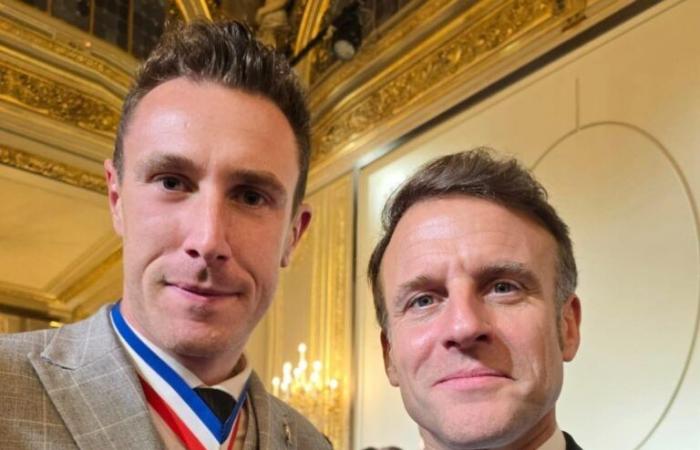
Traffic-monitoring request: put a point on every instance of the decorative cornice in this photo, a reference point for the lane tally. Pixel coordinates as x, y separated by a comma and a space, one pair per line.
474, 36
54, 170
57, 100
32, 38
371, 50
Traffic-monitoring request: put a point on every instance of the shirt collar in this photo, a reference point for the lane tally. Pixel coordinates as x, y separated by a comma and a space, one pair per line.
233, 385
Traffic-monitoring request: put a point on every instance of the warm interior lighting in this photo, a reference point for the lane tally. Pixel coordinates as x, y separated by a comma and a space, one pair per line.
310, 390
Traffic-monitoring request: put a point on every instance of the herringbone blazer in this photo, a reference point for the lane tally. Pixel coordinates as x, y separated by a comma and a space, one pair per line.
74, 387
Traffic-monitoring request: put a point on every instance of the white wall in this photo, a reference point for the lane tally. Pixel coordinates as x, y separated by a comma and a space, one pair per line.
613, 131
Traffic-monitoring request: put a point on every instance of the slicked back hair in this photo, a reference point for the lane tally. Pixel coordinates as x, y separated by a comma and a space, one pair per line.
228, 54
476, 173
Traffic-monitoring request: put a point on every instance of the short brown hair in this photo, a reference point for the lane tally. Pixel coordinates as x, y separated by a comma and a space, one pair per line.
226, 53
475, 173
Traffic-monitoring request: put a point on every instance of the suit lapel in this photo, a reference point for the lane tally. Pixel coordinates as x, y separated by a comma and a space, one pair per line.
270, 426
570, 443
90, 381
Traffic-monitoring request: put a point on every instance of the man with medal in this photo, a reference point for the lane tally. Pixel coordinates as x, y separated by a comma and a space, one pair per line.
205, 189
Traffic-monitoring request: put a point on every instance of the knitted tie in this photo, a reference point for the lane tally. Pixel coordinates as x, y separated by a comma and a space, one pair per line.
219, 402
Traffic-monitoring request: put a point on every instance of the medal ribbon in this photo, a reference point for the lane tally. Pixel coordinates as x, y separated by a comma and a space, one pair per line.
219, 431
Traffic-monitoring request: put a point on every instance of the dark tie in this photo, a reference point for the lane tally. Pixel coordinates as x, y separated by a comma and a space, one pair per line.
220, 402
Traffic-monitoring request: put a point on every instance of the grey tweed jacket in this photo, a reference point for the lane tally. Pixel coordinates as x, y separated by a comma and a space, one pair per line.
74, 387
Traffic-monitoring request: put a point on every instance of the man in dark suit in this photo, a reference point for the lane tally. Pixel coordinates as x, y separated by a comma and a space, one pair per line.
474, 287
205, 188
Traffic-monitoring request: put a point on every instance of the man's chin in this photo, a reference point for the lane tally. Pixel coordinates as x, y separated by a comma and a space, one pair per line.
204, 347
490, 430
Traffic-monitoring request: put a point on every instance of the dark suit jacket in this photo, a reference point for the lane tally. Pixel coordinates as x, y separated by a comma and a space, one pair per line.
570, 443
74, 387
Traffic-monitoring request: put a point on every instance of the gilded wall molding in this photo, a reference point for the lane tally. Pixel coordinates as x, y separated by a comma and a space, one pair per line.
372, 50
51, 169
39, 303
310, 24
331, 300
318, 285
18, 34
459, 49
57, 100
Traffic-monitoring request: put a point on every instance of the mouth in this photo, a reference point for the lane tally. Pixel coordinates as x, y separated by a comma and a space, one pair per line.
201, 293
472, 379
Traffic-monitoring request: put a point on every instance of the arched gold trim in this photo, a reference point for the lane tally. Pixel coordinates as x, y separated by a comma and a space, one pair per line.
57, 100
458, 43
54, 170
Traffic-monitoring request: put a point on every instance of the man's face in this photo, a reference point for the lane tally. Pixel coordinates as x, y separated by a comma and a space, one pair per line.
205, 211
472, 336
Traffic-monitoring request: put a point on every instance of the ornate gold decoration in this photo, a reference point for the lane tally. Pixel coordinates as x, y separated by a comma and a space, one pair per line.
310, 24
194, 9
374, 47
52, 169
57, 101
295, 17
313, 392
318, 282
486, 28
30, 37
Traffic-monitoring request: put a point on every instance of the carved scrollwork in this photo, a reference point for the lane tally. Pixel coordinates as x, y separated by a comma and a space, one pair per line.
417, 77
34, 38
57, 101
52, 169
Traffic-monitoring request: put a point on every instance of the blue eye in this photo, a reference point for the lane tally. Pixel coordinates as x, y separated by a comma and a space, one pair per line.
503, 287
422, 301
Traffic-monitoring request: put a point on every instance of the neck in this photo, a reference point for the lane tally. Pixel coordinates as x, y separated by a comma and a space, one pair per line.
531, 440
212, 371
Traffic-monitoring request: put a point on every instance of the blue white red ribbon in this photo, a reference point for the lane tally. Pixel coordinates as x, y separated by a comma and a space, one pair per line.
185, 413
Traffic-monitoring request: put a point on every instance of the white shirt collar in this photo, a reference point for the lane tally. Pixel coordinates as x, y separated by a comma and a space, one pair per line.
233, 385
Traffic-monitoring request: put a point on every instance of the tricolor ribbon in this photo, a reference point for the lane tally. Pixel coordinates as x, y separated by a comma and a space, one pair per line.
209, 433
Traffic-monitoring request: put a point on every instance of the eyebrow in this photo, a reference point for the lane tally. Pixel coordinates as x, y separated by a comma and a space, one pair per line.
164, 162
261, 178
420, 282
483, 274
508, 269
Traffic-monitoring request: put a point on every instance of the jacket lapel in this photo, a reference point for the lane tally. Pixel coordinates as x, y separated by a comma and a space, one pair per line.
271, 429
90, 381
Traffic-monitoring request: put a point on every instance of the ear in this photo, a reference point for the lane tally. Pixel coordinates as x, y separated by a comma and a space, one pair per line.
114, 196
300, 223
570, 327
388, 363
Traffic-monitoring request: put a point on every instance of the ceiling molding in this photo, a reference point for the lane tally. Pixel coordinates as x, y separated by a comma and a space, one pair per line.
48, 40
480, 36
51, 169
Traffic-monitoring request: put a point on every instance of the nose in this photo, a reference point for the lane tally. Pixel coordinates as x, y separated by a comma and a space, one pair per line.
207, 237
467, 321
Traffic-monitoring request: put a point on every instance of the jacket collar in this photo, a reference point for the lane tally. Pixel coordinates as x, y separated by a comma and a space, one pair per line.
90, 381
